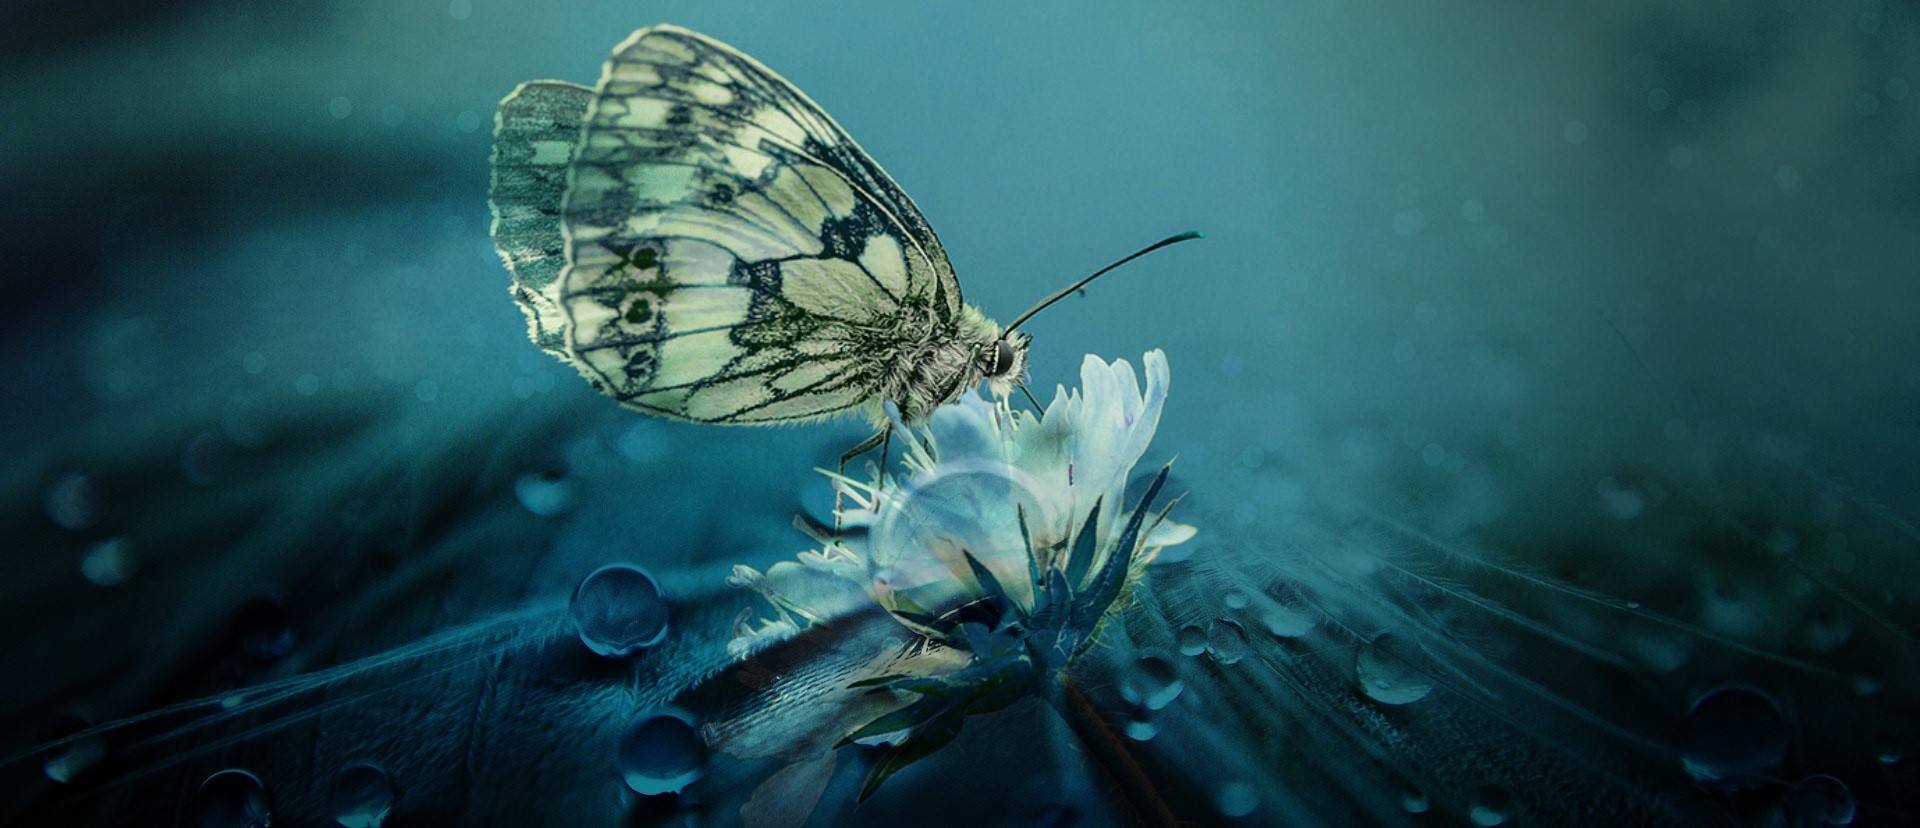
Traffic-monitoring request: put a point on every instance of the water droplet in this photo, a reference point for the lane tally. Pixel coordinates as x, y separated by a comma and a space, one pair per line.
1491, 805
1826, 632
618, 609
1192, 640
661, 753
546, 494
362, 796
74, 502
1733, 736
1236, 799
1227, 641
232, 798
1237, 599
1140, 726
339, 107
1415, 802
263, 629
1151, 681
1819, 801
1890, 752
460, 9
642, 443
1289, 616
1575, 132
70, 760
1393, 670
468, 120
109, 562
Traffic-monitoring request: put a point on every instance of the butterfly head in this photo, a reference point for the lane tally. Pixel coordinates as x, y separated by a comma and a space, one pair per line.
1003, 362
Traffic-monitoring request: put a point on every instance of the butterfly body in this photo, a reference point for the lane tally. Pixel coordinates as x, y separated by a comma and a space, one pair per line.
702, 242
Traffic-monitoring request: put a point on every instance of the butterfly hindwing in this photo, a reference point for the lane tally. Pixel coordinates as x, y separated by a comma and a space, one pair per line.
731, 255
535, 134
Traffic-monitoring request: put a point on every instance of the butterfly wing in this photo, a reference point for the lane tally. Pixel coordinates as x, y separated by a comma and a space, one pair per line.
535, 134
732, 255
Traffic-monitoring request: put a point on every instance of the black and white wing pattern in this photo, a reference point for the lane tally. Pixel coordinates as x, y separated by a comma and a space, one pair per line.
535, 134
731, 255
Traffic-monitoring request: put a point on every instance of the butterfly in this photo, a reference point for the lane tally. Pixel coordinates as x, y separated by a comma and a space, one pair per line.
702, 242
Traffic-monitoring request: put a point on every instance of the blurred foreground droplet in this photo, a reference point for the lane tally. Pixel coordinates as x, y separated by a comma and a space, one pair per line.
74, 502
1393, 670
545, 494
232, 798
1734, 736
661, 753
1151, 681
1492, 805
362, 796
618, 609
1819, 801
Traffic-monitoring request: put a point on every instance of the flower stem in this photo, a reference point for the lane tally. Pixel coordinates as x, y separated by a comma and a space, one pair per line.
1108, 751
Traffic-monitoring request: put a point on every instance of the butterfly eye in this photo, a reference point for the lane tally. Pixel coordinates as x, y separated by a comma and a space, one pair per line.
1002, 359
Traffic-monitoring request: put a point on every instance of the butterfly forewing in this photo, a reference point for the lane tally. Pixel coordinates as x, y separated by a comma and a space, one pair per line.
731, 255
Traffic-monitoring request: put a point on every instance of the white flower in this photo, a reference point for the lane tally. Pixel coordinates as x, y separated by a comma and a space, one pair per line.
1013, 491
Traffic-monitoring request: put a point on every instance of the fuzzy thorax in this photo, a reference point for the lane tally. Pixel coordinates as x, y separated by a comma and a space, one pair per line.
943, 364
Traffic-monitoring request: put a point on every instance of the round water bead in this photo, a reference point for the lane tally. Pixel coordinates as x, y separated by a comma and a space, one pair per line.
1819, 801
74, 502
1415, 802
75, 757
1734, 736
362, 796
661, 753
1227, 641
1491, 805
232, 798
109, 562
1140, 726
546, 494
1236, 799
1151, 681
618, 610
1192, 640
1289, 615
1393, 670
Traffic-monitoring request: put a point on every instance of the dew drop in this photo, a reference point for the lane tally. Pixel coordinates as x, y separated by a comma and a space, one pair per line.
1289, 616
547, 493
1733, 736
1393, 670
74, 502
1491, 805
1819, 801
661, 753
1140, 726
108, 563
232, 798
1415, 802
1236, 799
618, 609
1227, 641
1192, 640
1151, 681
362, 796
1890, 752
70, 760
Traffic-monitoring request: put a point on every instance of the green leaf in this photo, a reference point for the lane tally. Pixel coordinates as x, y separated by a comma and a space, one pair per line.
990, 585
1084, 547
1111, 577
912, 715
922, 742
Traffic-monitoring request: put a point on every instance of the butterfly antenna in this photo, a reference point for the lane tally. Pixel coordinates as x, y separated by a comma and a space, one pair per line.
1076, 286
1037, 409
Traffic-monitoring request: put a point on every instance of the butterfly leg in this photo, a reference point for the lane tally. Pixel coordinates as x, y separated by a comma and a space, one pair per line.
881, 438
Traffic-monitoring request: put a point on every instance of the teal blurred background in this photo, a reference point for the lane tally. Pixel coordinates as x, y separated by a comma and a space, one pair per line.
1601, 290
